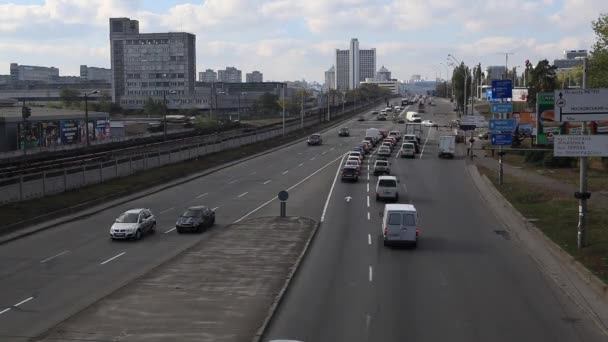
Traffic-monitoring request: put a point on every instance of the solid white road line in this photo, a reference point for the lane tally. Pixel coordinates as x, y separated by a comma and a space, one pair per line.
202, 195
368, 201
233, 181
333, 148
300, 164
313, 158
112, 258
166, 210
423, 146
369, 238
331, 190
243, 194
369, 217
54, 256
170, 230
292, 187
268, 181
285, 172
5, 310
216, 208
371, 273
324, 152
24, 301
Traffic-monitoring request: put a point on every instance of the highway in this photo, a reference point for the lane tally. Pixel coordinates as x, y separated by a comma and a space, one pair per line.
465, 282
50, 275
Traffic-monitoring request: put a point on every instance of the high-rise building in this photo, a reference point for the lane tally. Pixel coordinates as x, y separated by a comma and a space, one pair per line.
496, 72
415, 78
33, 73
207, 76
230, 75
88, 73
330, 78
383, 74
342, 69
354, 65
254, 77
150, 65
572, 58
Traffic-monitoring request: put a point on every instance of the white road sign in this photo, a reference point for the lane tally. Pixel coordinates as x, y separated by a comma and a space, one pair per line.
580, 145
476, 120
581, 104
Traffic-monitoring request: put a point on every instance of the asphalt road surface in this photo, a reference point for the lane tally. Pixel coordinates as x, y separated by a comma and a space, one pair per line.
466, 281
48, 276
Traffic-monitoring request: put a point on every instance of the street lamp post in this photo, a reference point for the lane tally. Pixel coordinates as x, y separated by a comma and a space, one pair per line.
239, 112
165, 112
86, 114
283, 100
302, 108
343, 101
217, 109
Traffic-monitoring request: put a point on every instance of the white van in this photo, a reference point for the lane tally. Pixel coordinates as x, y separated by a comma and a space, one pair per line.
413, 117
408, 150
400, 224
387, 188
447, 146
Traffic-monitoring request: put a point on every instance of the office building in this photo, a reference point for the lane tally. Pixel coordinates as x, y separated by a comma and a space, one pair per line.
330, 78
150, 65
496, 72
254, 76
572, 58
88, 73
415, 78
208, 76
33, 73
354, 65
383, 74
393, 86
230, 75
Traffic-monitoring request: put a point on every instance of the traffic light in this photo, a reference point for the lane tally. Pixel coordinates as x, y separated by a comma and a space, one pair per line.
26, 112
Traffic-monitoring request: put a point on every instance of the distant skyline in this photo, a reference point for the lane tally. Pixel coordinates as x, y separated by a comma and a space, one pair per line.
293, 40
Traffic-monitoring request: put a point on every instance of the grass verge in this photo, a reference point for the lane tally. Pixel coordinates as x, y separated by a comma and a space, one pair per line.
557, 217
45, 208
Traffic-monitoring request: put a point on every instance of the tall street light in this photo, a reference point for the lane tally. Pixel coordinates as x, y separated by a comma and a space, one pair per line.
86, 113
343, 101
172, 92
217, 108
447, 73
239, 112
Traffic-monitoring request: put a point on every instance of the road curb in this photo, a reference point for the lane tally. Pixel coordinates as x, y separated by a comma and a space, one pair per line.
518, 223
20, 233
279, 297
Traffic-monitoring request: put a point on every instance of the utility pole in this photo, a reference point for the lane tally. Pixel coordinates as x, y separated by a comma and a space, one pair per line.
283, 108
582, 195
302, 109
328, 108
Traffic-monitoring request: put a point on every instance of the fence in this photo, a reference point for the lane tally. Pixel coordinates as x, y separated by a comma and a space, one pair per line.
50, 182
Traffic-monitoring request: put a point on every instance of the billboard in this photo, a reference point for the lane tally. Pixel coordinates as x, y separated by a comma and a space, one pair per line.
520, 95
69, 131
525, 123
546, 126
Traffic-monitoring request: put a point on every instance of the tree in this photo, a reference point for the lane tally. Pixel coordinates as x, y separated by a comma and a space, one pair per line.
597, 69
458, 79
70, 97
268, 104
153, 107
573, 77
542, 79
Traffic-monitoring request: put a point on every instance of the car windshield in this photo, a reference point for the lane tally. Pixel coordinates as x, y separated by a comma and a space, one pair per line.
352, 163
381, 163
391, 183
407, 146
192, 213
128, 218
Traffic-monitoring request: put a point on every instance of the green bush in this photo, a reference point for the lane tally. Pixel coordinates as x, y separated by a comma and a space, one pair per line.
534, 157
551, 161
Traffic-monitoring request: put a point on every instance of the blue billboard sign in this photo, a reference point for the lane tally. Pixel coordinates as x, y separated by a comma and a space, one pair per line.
501, 139
502, 89
502, 108
500, 125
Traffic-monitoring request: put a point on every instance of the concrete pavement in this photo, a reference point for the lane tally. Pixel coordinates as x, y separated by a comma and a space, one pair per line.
218, 290
467, 281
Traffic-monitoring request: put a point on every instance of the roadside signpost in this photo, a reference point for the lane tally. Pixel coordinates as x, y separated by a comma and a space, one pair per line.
501, 139
502, 89
502, 108
580, 146
581, 104
500, 125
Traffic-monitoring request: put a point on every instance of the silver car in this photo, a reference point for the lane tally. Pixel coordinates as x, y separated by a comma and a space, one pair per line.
133, 224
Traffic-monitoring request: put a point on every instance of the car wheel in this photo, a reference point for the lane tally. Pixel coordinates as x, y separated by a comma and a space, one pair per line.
397, 198
138, 235
213, 220
377, 198
199, 229
179, 231
153, 229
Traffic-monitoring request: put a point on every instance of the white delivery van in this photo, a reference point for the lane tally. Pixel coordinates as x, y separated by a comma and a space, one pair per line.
387, 188
408, 150
447, 146
374, 133
400, 224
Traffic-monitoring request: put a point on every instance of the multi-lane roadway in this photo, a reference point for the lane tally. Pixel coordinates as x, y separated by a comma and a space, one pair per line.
465, 282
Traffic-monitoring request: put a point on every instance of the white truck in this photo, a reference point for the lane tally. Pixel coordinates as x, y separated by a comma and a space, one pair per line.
374, 133
447, 146
413, 117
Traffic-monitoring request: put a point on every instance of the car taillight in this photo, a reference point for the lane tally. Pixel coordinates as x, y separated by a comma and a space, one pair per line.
385, 230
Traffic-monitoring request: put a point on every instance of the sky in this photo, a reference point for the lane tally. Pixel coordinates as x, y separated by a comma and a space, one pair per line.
296, 39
